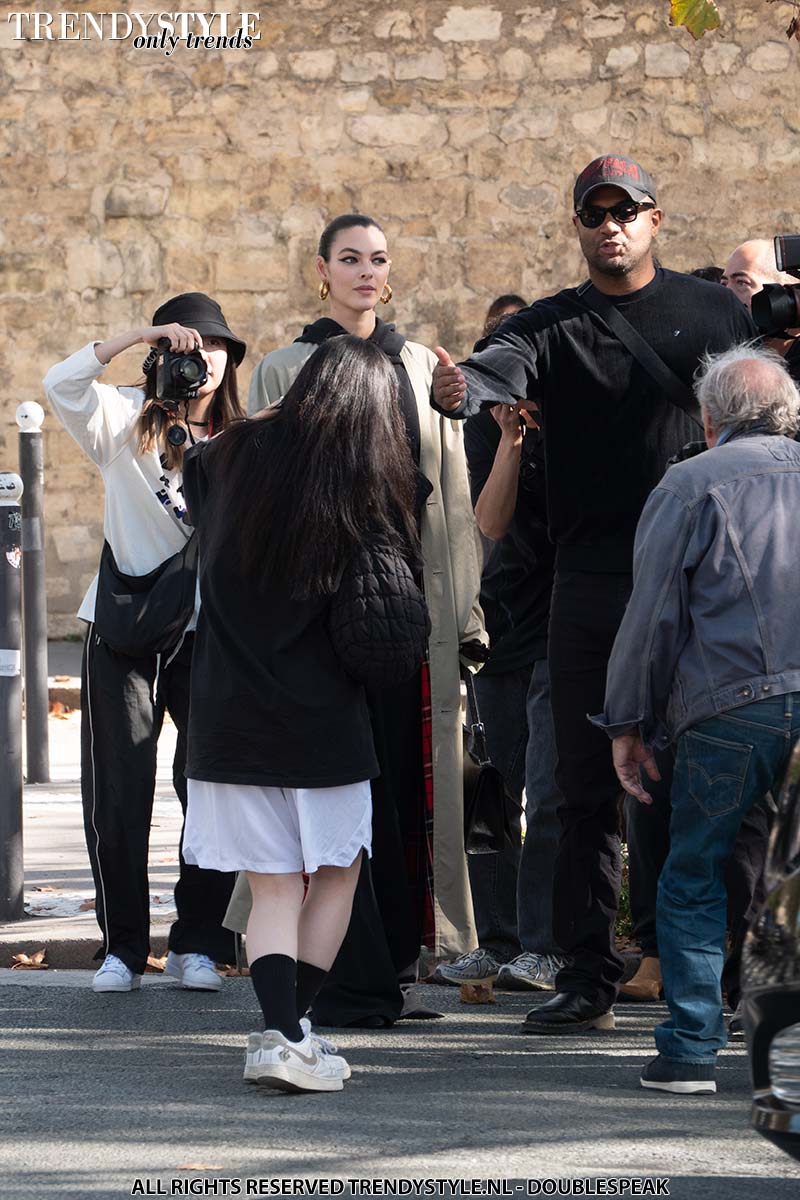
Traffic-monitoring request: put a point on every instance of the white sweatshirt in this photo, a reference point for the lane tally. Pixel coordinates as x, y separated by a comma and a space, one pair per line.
143, 501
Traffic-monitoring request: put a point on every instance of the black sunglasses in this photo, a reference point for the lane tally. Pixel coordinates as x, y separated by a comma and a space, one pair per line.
593, 216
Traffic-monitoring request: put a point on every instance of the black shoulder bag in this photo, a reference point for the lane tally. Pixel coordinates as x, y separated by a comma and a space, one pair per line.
139, 615
486, 805
673, 388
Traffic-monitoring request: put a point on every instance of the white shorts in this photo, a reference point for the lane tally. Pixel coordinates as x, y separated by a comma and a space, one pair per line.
275, 831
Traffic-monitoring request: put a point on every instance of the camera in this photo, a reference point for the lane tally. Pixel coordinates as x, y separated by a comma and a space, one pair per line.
179, 377
776, 307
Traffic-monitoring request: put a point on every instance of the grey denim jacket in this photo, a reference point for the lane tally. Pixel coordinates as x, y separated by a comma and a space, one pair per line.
714, 618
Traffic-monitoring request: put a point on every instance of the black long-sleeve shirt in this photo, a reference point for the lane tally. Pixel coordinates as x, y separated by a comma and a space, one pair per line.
608, 429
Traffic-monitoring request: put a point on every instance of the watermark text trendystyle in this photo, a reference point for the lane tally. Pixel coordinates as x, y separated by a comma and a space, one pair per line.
144, 30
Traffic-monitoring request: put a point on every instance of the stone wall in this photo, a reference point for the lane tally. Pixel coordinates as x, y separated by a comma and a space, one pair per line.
128, 175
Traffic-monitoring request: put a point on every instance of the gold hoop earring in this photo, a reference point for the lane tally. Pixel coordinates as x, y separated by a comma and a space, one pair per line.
386, 298
324, 290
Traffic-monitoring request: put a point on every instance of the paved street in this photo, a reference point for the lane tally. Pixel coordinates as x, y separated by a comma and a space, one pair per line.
101, 1090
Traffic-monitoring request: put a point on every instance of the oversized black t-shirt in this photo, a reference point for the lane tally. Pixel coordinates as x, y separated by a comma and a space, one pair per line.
270, 701
608, 429
517, 578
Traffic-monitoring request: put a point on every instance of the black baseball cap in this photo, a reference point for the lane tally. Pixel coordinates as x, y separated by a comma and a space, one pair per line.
200, 312
614, 170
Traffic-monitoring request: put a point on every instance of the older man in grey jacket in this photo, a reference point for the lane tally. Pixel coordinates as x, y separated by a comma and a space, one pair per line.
708, 656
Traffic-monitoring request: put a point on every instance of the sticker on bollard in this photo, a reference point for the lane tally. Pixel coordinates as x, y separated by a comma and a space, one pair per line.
10, 662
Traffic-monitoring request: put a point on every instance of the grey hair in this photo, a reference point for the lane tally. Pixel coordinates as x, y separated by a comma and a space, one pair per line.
745, 386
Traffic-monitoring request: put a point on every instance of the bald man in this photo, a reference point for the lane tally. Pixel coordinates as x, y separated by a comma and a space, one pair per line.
747, 270
751, 266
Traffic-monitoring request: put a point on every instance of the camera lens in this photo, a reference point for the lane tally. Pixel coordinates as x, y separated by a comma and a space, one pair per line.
191, 370
774, 308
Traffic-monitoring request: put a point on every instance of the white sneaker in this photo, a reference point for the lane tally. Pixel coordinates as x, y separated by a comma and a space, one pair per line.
114, 976
273, 1061
326, 1046
535, 971
322, 1045
194, 971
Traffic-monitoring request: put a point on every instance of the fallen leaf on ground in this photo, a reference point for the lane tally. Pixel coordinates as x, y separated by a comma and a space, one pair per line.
199, 1167
155, 966
87, 905
62, 678
43, 887
476, 993
233, 972
22, 962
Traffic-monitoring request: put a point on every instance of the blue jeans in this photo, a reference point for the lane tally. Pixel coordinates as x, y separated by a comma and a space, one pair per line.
724, 765
512, 892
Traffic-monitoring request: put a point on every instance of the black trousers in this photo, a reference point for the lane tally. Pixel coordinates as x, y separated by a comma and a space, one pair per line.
585, 613
121, 719
647, 829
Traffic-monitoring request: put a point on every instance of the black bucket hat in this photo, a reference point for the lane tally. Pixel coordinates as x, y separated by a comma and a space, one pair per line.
200, 312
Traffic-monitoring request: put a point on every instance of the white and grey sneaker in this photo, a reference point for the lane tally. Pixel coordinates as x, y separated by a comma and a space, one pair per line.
114, 976
323, 1045
195, 971
530, 971
273, 1061
478, 966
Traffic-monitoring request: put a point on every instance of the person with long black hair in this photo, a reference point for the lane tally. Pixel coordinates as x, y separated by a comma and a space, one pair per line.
281, 747
417, 891
138, 446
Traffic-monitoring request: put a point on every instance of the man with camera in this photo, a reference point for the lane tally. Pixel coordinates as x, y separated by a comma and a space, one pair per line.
610, 366
769, 291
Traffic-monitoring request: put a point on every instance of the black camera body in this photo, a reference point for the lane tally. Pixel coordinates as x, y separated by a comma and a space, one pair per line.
776, 307
179, 377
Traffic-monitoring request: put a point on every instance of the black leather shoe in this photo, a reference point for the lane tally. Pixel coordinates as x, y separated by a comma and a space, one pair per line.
568, 1012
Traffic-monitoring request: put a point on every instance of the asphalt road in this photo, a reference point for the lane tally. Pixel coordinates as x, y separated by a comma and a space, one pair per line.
99, 1091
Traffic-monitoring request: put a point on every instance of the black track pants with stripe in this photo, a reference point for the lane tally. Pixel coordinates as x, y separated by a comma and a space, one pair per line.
122, 711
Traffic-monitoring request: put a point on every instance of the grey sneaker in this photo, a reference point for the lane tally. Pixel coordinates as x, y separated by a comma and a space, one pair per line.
535, 971
479, 966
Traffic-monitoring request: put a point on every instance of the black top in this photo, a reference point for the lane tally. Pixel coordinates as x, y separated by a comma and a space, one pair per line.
518, 576
608, 430
270, 702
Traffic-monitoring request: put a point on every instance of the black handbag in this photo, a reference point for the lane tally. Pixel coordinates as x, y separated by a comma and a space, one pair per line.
139, 615
487, 828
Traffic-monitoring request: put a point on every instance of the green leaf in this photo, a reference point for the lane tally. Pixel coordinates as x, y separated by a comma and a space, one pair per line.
699, 16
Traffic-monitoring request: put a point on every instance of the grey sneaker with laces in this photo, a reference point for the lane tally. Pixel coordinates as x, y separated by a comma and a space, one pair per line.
479, 966
536, 972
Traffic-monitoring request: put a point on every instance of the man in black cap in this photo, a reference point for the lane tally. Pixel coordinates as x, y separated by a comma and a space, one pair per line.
610, 366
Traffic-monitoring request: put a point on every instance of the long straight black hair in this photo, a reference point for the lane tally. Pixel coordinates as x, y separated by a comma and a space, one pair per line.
321, 473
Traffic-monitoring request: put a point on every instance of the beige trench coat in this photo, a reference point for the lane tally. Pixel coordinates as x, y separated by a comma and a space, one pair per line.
452, 567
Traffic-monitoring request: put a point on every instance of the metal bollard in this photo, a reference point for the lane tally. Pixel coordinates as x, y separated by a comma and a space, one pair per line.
11, 878
34, 595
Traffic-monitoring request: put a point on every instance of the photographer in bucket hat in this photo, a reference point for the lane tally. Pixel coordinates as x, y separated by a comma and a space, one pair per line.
135, 436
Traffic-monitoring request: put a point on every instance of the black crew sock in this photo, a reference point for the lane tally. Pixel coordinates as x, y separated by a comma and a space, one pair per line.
309, 981
274, 978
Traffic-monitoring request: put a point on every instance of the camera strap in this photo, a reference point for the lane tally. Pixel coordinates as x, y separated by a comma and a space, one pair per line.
668, 382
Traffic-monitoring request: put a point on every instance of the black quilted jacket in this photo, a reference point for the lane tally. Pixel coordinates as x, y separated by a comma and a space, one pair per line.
378, 619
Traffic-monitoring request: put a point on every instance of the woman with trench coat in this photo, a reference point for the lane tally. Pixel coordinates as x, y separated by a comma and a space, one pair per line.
417, 890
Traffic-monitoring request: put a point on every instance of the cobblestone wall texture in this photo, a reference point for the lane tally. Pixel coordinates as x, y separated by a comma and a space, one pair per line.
128, 176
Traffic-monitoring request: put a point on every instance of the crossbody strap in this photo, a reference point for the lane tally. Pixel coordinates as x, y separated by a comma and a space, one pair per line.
669, 383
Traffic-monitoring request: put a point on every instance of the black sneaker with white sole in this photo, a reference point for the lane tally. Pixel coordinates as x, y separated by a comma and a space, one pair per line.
680, 1078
